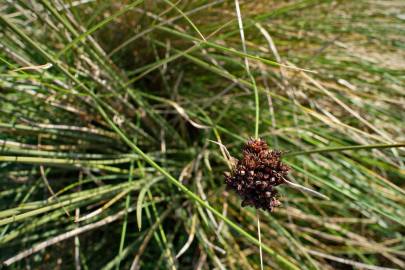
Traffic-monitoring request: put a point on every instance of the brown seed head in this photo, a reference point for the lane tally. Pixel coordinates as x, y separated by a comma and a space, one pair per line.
257, 174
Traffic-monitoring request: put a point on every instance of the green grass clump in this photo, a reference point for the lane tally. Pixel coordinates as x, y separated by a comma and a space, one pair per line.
108, 110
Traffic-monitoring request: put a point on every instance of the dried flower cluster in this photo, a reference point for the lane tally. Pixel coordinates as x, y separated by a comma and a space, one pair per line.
257, 174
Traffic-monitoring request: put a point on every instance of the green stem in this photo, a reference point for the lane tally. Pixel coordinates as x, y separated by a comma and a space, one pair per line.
124, 224
345, 148
257, 118
63, 161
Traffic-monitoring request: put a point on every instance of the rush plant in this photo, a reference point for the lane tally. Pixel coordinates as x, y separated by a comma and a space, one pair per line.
108, 110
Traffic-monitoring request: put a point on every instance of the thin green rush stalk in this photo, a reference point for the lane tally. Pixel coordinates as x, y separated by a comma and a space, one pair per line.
124, 224
282, 260
257, 112
62, 161
185, 17
345, 148
257, 108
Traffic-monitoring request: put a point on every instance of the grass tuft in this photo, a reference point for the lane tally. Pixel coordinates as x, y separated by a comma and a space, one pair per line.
108, 110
